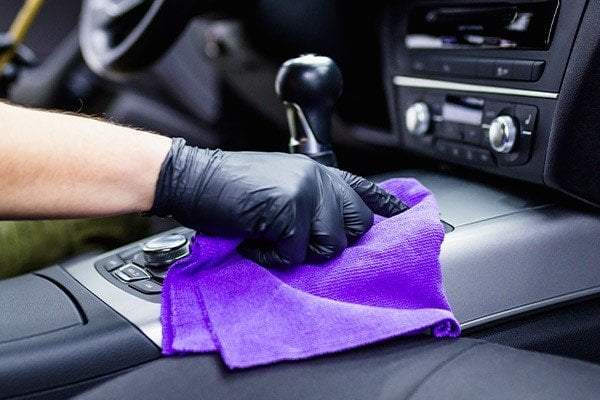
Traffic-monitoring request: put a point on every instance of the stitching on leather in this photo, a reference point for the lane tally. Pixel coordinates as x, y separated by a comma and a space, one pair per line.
439, 367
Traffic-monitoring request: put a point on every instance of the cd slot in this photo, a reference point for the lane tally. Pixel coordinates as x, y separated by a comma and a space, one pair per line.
500, 16
503, 25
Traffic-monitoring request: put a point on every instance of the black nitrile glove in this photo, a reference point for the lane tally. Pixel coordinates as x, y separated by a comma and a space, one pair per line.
287, 207
23, 57
5, 42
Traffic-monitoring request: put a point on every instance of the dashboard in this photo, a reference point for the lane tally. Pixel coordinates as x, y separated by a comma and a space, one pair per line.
506, 88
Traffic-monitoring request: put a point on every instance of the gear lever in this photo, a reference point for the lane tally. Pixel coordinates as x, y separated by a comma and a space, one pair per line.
309, 87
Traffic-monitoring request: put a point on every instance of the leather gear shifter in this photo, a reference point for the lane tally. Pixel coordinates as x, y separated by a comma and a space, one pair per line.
287, 207
309, 86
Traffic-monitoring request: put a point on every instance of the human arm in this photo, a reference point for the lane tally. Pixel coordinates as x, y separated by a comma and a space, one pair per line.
63, 166
287, 207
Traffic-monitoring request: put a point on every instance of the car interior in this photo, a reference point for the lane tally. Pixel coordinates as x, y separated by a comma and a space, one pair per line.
494, 105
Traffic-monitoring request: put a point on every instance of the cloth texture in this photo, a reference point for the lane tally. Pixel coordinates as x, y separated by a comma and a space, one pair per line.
388, 284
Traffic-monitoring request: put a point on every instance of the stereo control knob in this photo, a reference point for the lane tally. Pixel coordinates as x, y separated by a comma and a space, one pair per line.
502, 134
165, 250
417, 119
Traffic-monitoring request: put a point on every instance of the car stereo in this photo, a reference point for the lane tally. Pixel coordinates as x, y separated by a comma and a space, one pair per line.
509, 88
472, 129
497, 25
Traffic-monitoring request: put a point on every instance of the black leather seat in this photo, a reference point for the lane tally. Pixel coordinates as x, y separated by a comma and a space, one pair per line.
414, 368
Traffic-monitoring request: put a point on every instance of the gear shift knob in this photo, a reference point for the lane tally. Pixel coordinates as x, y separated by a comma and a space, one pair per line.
309, 86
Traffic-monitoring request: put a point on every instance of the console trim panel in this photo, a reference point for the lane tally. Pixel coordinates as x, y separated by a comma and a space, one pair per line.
144, 314
576, 296
545, 258
408, 81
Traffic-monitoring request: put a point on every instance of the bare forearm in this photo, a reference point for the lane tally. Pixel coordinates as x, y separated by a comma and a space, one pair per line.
54, 165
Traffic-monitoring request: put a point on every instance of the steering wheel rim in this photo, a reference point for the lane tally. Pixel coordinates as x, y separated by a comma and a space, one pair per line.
118, 37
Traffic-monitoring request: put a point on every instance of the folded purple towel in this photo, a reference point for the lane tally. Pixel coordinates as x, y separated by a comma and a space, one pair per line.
388, 284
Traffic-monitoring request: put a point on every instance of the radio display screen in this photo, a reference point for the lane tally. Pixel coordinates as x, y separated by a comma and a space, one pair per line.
466, 110
500, 25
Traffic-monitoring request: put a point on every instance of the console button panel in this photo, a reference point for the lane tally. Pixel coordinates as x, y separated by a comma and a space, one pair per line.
131, 272
463, 152
111, 263
467, 129
147, 287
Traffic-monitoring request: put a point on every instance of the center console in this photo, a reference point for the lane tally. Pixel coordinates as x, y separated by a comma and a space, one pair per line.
506, 255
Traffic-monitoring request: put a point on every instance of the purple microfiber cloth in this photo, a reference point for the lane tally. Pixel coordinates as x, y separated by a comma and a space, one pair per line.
388, 284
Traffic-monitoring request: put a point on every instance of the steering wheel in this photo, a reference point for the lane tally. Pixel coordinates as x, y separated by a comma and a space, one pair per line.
118, 37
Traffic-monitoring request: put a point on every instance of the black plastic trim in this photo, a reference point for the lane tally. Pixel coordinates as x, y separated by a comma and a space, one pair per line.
105, 344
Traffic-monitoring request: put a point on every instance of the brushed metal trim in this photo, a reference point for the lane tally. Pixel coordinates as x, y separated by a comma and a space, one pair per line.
144, 314
407, 81
520, 310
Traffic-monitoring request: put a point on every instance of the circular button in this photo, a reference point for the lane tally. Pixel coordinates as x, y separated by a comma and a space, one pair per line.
164, 250
502, 134
417, 119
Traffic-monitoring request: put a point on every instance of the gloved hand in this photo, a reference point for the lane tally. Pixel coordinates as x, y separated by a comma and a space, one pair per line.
287, 207
23, 57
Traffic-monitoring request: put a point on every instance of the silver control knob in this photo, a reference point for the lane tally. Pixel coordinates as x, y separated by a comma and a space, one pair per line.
164, 250
502, 134
417, 119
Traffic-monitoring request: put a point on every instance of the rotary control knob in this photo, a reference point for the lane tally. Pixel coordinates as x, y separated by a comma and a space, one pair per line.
165, 250
502, 134
417, 119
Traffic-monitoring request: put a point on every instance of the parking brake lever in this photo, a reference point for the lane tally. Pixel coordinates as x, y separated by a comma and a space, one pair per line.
309, 86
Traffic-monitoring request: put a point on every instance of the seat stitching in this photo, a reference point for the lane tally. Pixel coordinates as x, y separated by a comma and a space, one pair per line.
439, 367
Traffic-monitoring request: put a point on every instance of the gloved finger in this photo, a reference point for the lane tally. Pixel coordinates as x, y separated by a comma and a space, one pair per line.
273, 255
327, 234
9, 74
378, 200
25, 56
284, 242
263, 253
6, 42
358, 218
